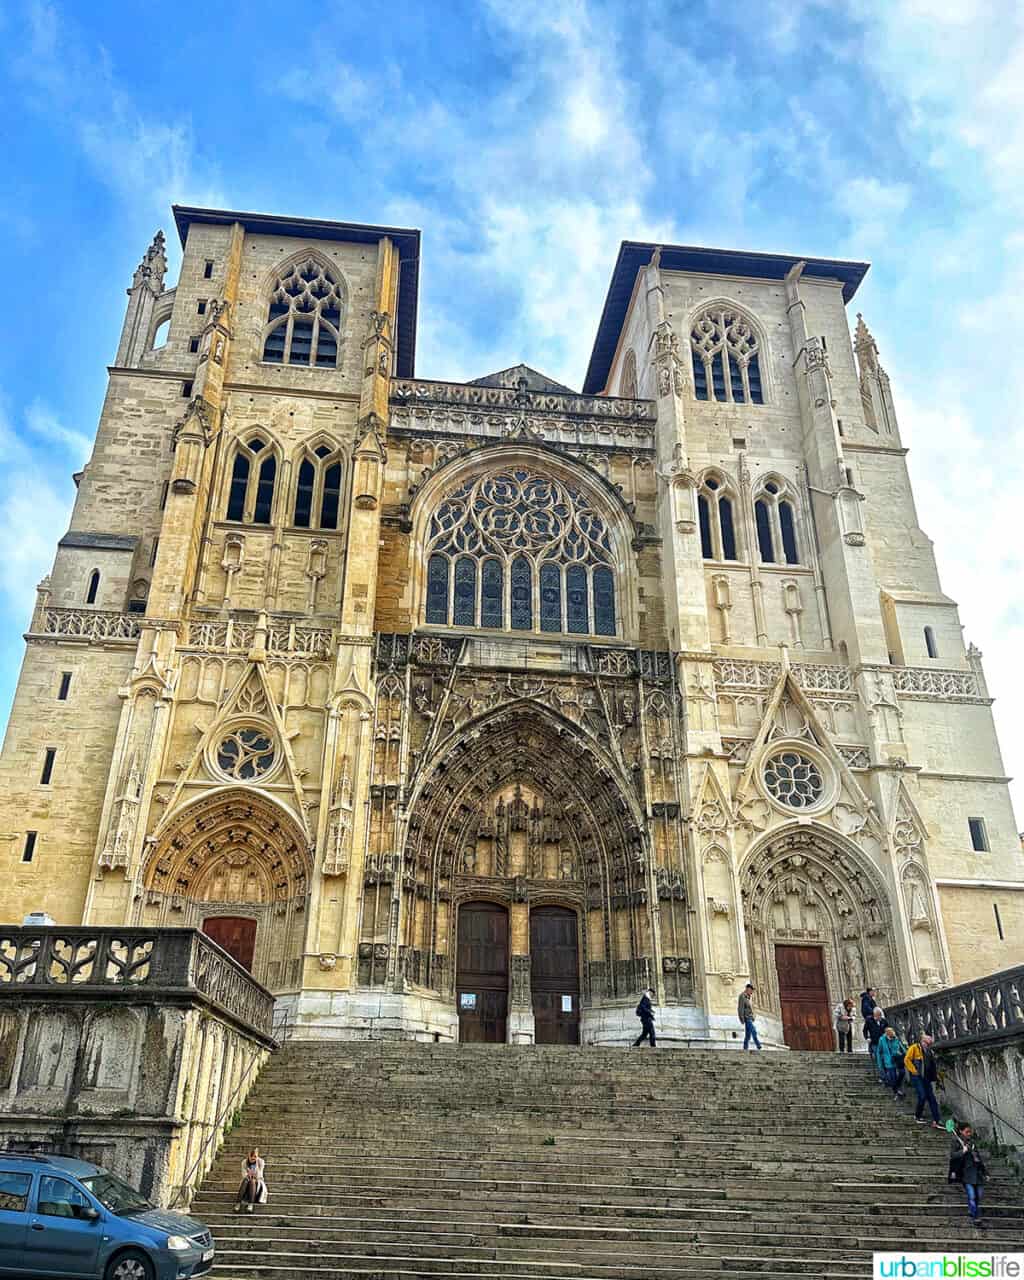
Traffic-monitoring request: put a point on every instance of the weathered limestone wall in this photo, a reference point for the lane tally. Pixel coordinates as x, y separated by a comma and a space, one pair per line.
126, 1049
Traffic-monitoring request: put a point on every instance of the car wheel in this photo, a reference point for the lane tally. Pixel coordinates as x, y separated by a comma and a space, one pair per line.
132, 1265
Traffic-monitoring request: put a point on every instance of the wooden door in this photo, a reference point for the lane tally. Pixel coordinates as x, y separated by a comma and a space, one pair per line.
555, 975
481, 989
806, 1016
236, 934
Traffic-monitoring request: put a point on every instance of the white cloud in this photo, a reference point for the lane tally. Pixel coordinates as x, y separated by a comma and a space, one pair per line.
42, 422
33, 515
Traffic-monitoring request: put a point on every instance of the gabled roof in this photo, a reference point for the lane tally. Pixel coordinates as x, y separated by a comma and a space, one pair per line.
406, 240
535, 381
634, 254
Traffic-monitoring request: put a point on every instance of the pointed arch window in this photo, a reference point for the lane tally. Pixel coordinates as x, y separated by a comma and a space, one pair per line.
318, 489
716, 513
726, 357
93, 589
522, 552
304, 319
628, 382
253, 479
775, 518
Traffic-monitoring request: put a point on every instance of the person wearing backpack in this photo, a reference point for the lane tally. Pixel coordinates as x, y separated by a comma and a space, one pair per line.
923, 1072
645, 1012
967, 1167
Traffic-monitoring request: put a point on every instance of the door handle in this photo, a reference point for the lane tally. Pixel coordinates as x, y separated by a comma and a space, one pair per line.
38, 1226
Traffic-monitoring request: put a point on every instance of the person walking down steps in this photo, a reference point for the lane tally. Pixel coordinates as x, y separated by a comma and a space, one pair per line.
745, 1013
253, 1190
967, 1167
844, 1025
923, 1072
645, 1012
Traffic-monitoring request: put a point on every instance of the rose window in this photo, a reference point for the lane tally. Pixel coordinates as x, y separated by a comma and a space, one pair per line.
245, 754
794, 780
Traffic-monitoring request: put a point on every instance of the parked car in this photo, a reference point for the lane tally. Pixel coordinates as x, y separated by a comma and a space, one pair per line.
65, 1218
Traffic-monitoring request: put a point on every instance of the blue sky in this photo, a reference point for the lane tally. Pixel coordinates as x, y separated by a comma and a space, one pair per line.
526, 140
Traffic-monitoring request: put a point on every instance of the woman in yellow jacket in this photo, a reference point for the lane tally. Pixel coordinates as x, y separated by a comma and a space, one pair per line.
920, 1065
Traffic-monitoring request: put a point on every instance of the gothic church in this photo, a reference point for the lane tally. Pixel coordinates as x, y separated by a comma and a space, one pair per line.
467, 710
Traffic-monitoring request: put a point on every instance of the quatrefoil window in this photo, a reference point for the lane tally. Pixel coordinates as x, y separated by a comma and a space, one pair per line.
246, 753
794, 780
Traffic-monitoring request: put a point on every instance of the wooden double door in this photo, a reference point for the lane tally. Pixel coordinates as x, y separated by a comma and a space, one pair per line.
482, 974
803, 993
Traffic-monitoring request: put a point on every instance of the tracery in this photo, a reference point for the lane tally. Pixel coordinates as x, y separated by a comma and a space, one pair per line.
725, 354
519, 550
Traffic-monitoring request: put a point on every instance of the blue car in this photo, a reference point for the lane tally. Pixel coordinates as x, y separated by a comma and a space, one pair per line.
64, 1218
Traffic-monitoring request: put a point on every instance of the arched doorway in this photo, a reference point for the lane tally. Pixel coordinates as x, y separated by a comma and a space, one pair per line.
819, 926
526, 808
236, 865
482, 973
555, 975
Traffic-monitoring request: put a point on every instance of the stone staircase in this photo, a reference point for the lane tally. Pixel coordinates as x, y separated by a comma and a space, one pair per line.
393, 1161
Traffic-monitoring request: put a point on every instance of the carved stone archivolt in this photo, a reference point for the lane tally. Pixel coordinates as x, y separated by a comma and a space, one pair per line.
802, 886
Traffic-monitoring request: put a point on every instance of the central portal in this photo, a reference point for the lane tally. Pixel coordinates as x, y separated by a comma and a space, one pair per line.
803, 994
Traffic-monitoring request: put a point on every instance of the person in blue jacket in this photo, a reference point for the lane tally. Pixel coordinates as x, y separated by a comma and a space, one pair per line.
645, 1012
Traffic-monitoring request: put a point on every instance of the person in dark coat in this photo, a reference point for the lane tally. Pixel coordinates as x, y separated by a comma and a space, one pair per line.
868, 1004
967, 1167
874, 1031
645, 1012
923, 1071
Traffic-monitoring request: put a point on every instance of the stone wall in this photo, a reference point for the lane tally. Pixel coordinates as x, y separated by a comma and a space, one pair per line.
130, 1048
979, 1038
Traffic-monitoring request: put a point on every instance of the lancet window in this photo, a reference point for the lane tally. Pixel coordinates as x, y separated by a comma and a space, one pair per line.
628, 384
304, 322
518, 550
318, 489
726, 357
775, 518
715, 513
253, 476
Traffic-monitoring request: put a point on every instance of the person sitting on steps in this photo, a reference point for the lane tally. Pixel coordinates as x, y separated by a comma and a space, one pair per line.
253, 1190
645, 1012
967, 1167
745, 1013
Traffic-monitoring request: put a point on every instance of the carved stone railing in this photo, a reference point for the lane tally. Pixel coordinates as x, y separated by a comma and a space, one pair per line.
423, 391
133, 1047
926, 682
970, 1014
87, 624
737, 673
283, 636
979, 1041
126, 962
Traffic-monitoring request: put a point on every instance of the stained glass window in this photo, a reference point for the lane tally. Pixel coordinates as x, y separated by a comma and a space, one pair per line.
604, 603
464, 604
437, 589
524, 530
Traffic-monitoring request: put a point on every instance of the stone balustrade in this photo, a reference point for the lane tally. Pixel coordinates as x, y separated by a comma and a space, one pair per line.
129, 1047
86, 624
979, 1037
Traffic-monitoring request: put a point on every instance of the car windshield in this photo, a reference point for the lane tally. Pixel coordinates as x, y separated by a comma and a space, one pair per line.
114, 1194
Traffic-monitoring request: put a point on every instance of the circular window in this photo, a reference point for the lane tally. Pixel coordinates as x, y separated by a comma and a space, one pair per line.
246, 753
794, 780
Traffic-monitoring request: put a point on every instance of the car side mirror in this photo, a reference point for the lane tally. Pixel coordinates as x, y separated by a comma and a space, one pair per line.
89, 1214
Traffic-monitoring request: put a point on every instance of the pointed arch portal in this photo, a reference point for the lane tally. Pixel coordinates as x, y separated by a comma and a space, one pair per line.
236, 865
522, 813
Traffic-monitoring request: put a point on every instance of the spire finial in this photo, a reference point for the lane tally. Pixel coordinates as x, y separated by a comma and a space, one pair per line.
152, 268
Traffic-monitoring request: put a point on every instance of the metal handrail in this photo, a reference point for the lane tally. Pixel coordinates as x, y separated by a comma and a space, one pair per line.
215, 1132
950, 1079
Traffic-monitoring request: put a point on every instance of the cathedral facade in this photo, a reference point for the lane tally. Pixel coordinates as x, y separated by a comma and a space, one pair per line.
468, 710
